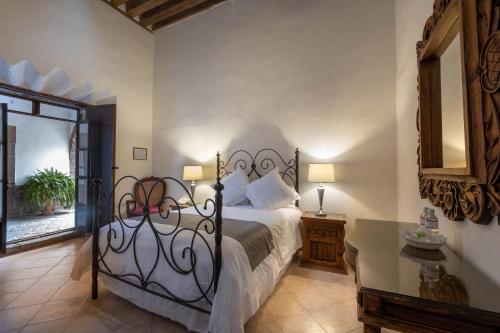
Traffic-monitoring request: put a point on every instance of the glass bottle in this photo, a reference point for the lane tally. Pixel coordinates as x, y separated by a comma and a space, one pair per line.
423, 216
432, 222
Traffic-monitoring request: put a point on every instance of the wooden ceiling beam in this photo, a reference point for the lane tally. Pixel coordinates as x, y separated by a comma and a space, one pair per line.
137, 7
177, 12
110, 4
117, 3
156, 14
205, 5
159, 10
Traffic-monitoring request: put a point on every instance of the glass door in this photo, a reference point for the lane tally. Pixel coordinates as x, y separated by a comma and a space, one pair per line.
102, 131
83, 190
3, 178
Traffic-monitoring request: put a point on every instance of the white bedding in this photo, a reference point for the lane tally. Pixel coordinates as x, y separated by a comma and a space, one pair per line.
241, 291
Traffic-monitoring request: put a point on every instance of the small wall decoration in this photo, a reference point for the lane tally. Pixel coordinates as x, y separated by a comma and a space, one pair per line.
140, 154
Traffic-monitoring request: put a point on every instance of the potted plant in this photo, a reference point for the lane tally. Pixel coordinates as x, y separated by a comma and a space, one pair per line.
49, 188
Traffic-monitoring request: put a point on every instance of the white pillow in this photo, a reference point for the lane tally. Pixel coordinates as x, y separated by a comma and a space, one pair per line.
234, 188
296, 196
270, 192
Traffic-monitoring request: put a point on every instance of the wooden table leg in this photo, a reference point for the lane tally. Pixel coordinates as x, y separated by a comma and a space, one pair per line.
367, 328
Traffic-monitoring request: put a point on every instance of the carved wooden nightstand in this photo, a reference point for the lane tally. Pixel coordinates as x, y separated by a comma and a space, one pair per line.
323, 242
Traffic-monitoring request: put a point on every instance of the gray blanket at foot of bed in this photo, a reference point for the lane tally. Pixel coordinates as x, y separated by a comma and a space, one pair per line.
255, 237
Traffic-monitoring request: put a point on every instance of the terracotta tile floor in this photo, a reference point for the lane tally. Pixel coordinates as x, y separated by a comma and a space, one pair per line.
37, 295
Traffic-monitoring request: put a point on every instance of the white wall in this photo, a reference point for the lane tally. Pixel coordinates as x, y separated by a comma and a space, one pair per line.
89, 40
49, 149
318, 75
478, 244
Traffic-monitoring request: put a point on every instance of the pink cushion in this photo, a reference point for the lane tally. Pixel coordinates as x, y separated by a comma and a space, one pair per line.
139, 211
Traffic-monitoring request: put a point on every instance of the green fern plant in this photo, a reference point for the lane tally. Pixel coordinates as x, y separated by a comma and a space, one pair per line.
48, 188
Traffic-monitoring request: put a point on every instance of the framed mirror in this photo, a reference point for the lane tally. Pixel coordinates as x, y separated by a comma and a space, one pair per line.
458, 118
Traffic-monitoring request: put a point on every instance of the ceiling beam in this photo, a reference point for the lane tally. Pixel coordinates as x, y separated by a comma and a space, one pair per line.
178, 11
159, 10
117, 3
110, 4
206, 5
137, 7
156, 14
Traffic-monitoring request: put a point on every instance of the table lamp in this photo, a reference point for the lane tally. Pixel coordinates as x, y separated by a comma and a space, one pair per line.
321, 173
192, 173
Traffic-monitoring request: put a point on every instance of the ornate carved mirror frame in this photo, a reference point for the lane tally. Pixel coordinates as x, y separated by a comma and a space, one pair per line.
472, 192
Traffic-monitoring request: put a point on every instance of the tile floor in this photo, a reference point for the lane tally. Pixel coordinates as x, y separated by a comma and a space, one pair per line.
37, 295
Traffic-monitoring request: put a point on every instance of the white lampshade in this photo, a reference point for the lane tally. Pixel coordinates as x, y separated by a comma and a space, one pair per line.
321, 173
192, 172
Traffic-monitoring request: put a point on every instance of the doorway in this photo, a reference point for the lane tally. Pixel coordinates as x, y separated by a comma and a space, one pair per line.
41, 177
47, 158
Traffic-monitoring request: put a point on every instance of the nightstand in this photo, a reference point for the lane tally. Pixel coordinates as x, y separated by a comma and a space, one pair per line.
323, 242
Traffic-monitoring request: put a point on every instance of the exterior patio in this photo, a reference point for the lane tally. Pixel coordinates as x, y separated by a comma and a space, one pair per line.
35, 225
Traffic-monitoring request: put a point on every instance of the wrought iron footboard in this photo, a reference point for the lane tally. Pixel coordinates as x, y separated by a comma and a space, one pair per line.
121, 234
121, 238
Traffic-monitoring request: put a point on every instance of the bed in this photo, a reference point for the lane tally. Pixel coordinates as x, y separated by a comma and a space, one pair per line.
199, 274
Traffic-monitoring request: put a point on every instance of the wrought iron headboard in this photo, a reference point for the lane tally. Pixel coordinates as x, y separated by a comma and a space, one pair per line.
260, 163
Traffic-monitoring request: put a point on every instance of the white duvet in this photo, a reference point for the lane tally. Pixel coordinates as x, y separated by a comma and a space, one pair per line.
241, 291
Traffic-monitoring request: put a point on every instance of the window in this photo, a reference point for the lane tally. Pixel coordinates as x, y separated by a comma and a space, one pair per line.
58, 112
17, 104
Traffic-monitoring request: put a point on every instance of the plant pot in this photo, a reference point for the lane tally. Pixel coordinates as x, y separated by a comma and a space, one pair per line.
48, 210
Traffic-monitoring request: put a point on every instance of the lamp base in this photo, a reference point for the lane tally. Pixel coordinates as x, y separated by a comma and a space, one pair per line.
321, 192
320, 213
193, 189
